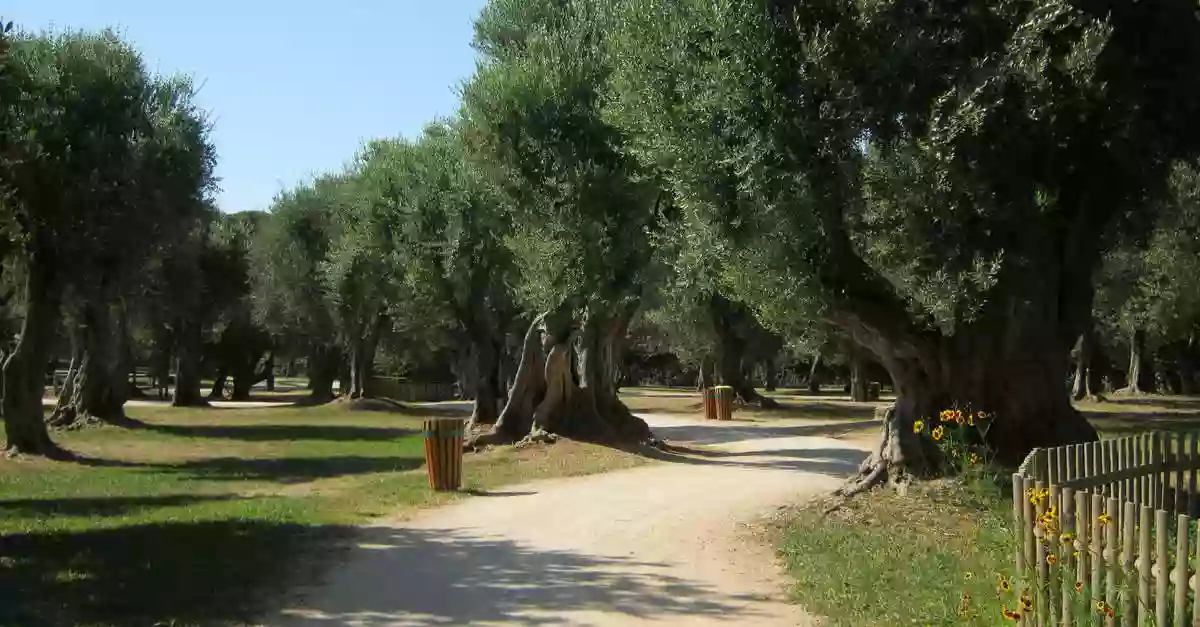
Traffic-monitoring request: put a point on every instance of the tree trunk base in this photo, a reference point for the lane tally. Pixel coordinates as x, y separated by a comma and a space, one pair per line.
900, 456
70, 419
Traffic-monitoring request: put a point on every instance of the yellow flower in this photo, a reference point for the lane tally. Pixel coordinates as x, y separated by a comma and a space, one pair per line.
1026, 603
938, 433
969, 575
974, 459
918, 426
947, 415
1051, 559
1068, 537
1104, 519
1004, 585
958, 416
1101, 606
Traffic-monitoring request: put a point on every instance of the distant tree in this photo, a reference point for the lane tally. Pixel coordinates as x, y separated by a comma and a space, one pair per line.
291, 297
449, 219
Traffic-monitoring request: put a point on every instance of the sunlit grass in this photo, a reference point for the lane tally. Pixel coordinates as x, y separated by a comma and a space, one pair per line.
204, 516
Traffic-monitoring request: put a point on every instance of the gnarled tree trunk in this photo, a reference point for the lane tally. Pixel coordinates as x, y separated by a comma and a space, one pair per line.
858, 376
1086, 385
323, 367
545, 398
24, 384
100, 386
814, 381
1017, 385
188, 353
362, 357
1141, 372
705, 373
730, 351
771, 367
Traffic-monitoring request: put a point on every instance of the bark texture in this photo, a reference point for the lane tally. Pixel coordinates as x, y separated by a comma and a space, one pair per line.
24, 427
362, 356
859, 379
814, 371
730, 352
324, 364
99, 384
1088, 382
1140, 375
547, 400
188, 353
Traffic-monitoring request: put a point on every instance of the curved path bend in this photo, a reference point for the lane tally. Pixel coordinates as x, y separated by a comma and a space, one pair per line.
663, 544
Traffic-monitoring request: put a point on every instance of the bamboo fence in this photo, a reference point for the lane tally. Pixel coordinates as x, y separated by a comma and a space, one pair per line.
1108, 532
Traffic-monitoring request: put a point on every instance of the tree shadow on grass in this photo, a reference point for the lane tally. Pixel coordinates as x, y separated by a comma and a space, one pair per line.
264, 433
280, 469
194, 573
100, 505
290, 469
415, 577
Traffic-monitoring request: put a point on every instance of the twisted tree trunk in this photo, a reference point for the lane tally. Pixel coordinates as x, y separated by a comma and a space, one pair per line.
705, 373
1087, 373
1141, 371
545, 399
188, 353
730, 351
323, 366
814, 383
859, 379
24, 384
100, 385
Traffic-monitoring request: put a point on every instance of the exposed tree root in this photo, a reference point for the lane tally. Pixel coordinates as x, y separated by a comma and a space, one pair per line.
900, 455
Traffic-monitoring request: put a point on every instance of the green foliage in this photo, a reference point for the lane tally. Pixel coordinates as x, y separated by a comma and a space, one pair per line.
849, 154
290, 253
580, 210
106, 161
1154, 284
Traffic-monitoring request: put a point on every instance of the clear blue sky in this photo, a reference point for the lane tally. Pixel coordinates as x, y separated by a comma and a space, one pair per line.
293, 87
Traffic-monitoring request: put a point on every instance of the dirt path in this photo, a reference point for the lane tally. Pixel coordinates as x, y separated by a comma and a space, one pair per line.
656, 545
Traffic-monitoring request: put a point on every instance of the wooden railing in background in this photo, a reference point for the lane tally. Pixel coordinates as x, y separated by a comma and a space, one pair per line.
1096, 533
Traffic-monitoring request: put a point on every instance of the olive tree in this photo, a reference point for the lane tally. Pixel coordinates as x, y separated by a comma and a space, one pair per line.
580, 211
932, 179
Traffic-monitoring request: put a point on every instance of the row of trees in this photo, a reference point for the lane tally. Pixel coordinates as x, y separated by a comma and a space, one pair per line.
967, 194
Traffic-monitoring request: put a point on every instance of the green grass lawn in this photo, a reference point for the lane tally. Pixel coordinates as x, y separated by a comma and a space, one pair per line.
884, 559
206, 516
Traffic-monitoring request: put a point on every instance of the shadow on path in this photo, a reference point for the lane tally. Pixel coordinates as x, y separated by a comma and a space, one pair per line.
727, 433
416, 577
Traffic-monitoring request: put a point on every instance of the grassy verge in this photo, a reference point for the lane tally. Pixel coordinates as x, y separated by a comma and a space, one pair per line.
204, 516
884, 559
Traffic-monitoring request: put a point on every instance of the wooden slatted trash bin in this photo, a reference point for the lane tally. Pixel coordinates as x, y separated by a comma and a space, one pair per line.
723, 399
444, 452
710, 403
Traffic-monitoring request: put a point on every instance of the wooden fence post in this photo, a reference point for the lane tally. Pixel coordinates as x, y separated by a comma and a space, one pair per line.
1181, 567
1129, 525
1145, 564
1019, 522
1161, 567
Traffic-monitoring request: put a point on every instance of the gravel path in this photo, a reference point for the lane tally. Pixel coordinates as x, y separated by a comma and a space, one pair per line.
665, 544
